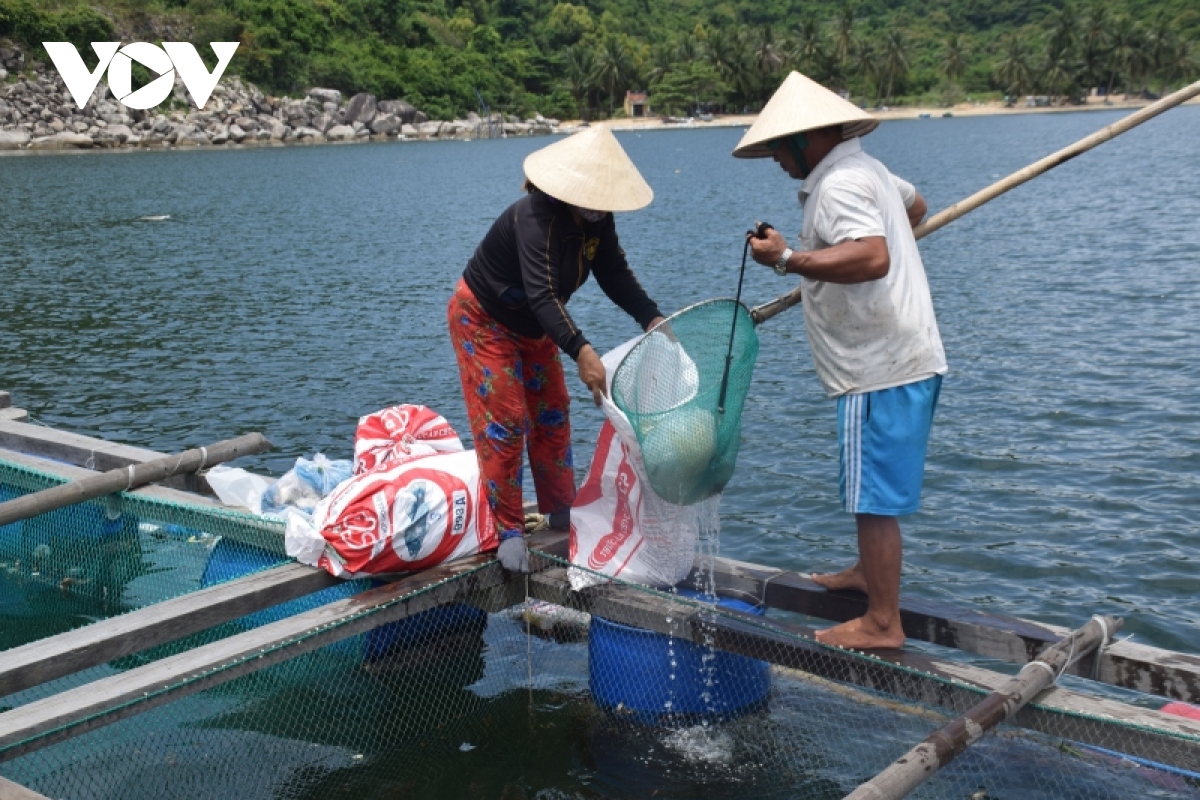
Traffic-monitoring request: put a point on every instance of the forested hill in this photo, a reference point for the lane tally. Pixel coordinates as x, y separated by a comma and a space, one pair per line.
567, 58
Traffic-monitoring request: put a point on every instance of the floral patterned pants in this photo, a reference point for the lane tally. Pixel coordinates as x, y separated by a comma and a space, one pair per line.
515, 392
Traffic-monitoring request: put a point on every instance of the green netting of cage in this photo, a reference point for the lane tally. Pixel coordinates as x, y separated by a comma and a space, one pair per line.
507, 707
127, 550
683, 388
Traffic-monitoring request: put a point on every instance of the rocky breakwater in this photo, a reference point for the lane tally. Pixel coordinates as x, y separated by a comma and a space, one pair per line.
38, 113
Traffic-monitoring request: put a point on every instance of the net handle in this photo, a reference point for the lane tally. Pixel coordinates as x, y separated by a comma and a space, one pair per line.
733, 330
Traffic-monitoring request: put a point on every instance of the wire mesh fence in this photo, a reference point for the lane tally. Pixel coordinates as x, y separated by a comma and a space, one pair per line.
486, 685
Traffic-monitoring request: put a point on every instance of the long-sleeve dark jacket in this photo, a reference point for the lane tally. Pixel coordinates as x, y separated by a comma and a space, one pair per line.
535, 257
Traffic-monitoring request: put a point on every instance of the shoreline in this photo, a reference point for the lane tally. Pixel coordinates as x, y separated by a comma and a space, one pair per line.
566, 127
994, 108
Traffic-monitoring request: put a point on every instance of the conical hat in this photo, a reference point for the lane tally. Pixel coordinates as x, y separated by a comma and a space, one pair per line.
589, 170
801, 104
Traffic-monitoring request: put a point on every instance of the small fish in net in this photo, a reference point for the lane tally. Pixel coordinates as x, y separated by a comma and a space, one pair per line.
670, 387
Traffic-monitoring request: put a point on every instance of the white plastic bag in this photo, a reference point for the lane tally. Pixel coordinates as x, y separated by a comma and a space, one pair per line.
619, 526
235, 486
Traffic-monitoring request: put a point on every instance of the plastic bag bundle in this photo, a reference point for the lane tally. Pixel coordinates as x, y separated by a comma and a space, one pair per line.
305, 484
669, 387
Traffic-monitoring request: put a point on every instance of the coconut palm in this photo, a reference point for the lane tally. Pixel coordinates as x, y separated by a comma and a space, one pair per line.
954, 59
894, 59
1179, 60
868, 62
1126, 57
768, 53
845, 37
1058, 68
662, 59
579, 63
614, 67
1013, 67
808, 46
1160, 40
1094, 43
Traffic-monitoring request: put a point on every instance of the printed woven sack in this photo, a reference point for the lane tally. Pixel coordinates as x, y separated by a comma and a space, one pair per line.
401, 433
619, 526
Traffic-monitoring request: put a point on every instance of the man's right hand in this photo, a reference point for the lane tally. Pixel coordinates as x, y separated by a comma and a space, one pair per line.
591, 371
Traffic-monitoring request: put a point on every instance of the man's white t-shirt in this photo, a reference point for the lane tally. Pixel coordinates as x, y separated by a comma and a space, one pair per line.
882, 333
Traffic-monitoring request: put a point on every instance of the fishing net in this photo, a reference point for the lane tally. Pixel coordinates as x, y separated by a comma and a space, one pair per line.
683, 388
466, 682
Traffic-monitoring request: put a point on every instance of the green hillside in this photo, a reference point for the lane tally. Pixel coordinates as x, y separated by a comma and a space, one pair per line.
570, 58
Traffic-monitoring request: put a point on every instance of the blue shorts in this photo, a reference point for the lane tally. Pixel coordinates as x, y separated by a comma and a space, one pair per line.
882, 437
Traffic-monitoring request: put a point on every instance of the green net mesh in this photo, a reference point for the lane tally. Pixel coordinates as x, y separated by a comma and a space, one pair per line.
487, 685
669, 386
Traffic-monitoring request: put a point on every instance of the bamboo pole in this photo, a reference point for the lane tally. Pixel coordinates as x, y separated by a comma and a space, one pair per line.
130, 477
764, 312
942, 746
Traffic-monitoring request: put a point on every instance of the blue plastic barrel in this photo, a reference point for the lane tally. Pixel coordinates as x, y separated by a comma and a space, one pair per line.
654, 678
230, 559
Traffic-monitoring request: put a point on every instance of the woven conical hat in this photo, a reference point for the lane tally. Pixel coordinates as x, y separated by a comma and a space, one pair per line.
801, 104
589, 170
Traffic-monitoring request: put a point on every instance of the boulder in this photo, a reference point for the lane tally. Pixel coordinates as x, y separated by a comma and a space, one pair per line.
401, 110
340, 133
121, 133
247, 123
419, 117
429, 128
193, 138
322, 122
473, 119
408, 129
386, 124
278, 131
305, 132
326, 96
361, 108
61, 141
12, 140
236, 133
3, 74
57, 126
220, 135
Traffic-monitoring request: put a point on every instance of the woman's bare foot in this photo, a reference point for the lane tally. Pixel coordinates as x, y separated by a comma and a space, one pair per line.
863, 634
846, 579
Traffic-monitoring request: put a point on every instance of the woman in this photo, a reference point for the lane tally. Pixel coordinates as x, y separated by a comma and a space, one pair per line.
508, 321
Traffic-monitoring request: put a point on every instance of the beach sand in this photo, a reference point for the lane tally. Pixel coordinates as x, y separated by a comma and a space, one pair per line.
994, 108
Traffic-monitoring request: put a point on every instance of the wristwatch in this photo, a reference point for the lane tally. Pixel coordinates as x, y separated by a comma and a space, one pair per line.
781, 265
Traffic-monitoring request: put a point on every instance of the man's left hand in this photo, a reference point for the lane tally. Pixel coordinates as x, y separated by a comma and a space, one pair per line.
768, 249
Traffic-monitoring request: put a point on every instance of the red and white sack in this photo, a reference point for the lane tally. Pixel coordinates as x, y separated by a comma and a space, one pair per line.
619, 527
411, 512
401, 433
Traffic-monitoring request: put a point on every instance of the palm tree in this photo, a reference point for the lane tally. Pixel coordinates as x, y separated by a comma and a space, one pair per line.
1160, 40
808, 46
614, 67
661, 61
1057, 71
1179, 60
578, 65
868, 62
894, 59
768, 53
954, 60
1126, 56
845, 38
1094, 43
1013, 68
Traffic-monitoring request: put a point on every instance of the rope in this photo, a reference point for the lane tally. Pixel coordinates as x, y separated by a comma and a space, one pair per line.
1104, 643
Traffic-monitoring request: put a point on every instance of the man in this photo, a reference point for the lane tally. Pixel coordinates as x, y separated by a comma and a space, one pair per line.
870, 323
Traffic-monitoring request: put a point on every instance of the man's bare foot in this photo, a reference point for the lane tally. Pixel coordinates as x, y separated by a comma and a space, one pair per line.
846, 579
863, 634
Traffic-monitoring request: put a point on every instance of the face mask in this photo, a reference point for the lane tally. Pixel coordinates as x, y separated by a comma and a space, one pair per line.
592, 216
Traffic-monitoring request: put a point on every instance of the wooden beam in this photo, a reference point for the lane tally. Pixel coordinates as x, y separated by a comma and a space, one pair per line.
31, 727
1165, 673
15, 791
76, 650
83, 451
14, 414
133, 476
913, 676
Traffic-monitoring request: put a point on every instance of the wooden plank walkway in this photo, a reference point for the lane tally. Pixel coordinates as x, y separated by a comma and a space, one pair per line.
936, 682
14, 791
1165, 673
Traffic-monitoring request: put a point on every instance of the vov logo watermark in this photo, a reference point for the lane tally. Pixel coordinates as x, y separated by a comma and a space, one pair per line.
163, 61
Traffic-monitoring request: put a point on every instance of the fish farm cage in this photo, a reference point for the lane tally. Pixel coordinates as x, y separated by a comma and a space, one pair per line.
163, 649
